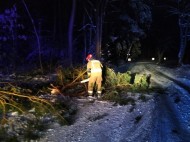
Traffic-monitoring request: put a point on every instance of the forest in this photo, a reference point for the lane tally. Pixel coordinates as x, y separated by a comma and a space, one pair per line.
45, 35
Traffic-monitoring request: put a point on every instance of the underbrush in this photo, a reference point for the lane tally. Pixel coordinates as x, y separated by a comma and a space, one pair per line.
25, 113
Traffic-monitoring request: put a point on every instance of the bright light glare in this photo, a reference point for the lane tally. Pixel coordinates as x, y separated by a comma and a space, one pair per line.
153, 59
164, 58
129, 59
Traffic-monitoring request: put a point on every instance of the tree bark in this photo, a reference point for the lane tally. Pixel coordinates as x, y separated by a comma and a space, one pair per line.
36, 34
70, 33
101, 5
183, 40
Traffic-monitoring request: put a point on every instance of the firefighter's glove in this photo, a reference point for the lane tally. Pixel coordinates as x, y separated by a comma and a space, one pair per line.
89, 74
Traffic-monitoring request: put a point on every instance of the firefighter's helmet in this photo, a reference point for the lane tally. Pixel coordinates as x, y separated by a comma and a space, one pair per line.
89, 57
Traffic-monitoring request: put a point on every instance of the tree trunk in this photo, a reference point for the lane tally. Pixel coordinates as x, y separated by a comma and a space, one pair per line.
98, 37
55, 21
101, 5
70, 33
182, 49
85, 40
183, 40
36, 33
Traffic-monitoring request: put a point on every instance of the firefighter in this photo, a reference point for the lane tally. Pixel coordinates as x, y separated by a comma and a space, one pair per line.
94, 71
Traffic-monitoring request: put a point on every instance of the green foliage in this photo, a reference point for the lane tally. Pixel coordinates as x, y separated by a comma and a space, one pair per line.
140, 82
9, 25
136, 50
111, 77
120, 83
68, 75
60, 75
114, 80
117, 80
11, 36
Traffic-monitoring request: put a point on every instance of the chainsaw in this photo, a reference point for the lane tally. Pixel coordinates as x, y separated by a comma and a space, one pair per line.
85, 80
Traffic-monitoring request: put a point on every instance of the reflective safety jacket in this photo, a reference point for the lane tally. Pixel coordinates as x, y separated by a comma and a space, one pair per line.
94, 67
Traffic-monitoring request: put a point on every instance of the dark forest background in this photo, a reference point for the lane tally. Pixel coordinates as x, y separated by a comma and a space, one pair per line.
46, 34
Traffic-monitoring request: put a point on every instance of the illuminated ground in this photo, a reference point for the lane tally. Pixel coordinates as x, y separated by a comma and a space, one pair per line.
164, 116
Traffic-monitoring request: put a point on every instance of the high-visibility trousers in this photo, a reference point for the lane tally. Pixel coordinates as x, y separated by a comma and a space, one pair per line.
95, 79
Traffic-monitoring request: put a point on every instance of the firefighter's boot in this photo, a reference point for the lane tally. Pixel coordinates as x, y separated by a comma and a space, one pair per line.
90, 96
99, 94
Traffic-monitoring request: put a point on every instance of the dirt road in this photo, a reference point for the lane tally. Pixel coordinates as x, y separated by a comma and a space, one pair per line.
172, 108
